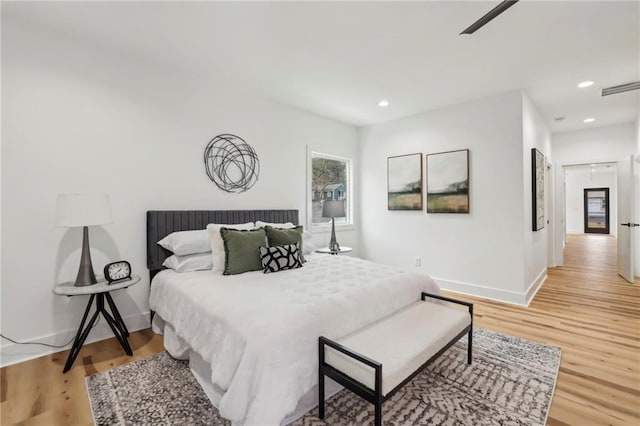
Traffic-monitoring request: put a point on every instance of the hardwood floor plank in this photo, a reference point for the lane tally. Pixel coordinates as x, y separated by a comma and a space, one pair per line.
583, 307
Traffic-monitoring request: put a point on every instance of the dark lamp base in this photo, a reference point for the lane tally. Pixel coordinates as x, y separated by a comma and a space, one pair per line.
333, 243
85, 276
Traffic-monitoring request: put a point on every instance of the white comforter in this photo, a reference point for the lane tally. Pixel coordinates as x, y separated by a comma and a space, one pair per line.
260, 331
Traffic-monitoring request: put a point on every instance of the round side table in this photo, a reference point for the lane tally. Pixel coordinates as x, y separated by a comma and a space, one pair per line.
98, 292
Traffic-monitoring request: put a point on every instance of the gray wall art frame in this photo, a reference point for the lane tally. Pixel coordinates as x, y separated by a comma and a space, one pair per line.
404, 182
537, 188
448, 182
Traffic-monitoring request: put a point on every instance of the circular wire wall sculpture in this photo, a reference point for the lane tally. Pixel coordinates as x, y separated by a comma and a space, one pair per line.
231, 163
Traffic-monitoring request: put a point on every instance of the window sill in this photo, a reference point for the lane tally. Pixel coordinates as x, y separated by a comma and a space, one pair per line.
326, 229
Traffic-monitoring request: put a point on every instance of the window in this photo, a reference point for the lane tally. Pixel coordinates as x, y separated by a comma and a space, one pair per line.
330, 180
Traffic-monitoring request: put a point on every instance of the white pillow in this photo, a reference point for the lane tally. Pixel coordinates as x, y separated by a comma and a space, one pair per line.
217, 245
189, 263
307, 245
288, 225
184, 243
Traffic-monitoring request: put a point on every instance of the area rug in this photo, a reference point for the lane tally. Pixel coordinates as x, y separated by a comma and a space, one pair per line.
510, 382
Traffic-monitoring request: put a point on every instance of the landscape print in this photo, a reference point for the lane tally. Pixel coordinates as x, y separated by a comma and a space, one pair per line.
448, 182
404, 174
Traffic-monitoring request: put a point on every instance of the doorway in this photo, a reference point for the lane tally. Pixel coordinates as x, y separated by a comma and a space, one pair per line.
596, 211
571, 182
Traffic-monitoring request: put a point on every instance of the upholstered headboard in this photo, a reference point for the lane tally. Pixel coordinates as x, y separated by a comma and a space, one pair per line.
161, 223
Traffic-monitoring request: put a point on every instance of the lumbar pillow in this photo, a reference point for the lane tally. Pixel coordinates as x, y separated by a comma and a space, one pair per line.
281, 237
184, 243
279, 258
287, 225
189, 263
242, 249
217, 245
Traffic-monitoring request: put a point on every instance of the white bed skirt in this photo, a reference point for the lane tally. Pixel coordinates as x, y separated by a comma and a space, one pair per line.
179, 349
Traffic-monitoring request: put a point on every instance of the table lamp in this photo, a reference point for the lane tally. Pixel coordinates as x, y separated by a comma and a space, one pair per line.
83, 210
333, 209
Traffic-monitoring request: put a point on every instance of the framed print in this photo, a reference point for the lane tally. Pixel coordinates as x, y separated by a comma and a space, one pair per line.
404, 182
448, 182
537, 184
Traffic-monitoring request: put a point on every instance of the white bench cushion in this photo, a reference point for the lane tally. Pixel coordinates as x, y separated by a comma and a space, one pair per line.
401, 342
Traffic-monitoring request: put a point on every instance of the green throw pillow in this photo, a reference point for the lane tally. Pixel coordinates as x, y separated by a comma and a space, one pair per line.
282, 237
242, 250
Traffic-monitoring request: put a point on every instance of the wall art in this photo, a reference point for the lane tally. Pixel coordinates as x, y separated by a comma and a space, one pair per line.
404, 182
537, 186
448, 182
231, 163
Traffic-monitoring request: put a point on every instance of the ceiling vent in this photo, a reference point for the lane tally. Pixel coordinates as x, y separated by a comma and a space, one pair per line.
493, 13
621, 88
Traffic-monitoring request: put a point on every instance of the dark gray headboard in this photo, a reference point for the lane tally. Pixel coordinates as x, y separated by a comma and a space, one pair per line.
161, 223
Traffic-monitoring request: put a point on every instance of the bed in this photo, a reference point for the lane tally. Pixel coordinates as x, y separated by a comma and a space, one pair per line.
252, 338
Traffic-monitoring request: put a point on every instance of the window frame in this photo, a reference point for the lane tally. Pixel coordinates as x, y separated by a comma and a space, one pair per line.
350, 218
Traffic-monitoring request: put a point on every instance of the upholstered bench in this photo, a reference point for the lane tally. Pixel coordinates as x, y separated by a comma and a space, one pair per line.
379, 359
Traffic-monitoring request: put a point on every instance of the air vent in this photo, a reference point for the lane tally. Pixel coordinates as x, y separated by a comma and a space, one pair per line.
491, 15
620, 88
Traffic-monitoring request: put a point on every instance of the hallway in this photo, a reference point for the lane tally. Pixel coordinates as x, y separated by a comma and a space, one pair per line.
596, 253
594, 315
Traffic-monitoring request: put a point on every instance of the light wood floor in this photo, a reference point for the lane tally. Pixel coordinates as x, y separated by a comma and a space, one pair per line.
584, 307
594, 315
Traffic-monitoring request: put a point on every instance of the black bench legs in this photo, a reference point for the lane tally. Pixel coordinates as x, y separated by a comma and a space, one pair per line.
470, 307
375, 396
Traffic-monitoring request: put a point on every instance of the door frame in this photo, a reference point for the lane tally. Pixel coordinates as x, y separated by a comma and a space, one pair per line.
607, 228
560, 233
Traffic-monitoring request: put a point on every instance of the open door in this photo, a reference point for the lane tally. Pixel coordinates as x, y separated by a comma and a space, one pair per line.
626, 204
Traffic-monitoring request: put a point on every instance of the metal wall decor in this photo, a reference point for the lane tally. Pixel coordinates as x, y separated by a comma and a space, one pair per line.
231, 163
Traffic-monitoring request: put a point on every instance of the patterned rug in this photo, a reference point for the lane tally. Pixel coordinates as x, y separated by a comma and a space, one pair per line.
511, 382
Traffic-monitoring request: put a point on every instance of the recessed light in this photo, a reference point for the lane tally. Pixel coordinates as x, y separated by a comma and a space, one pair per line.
593, 165
589, 120
587, 83
383, 104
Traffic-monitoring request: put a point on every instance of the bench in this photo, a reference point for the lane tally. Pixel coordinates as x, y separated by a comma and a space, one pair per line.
378, 360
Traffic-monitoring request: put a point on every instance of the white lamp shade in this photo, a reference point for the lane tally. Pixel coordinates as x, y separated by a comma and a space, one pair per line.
333, 208
83, 210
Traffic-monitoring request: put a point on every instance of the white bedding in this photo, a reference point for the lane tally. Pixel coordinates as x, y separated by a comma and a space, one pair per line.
260, 331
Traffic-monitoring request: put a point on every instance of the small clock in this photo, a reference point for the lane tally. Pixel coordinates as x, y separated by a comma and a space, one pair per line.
117, 271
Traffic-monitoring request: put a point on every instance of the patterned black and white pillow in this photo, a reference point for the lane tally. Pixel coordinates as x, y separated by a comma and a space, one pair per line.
279, 258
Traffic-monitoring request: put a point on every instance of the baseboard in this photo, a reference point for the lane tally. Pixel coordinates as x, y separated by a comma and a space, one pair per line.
535, 285
12, 353
484, 292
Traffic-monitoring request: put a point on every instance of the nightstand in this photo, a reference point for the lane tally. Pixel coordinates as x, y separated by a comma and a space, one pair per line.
98, 292
327, 250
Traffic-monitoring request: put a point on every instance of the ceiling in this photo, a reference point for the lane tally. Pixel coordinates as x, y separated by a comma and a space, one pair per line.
338, 59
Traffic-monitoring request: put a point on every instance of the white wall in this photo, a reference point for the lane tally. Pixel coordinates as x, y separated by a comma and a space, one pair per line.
479, 253
579, 178
535, 134
591, 145
79, 118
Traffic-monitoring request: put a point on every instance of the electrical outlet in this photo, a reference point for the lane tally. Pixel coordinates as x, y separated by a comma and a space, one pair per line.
418, 261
